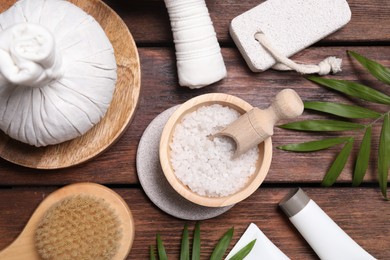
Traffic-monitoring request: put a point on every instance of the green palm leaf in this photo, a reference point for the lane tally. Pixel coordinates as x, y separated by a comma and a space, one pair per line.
377, 70
244, 251
363, 92
347, 111
217, 254
384, 155
314, 145
196, 243
362, 158
162, 255
151, 253
338, 164
322, 125
353, 89
222, 245
185, 248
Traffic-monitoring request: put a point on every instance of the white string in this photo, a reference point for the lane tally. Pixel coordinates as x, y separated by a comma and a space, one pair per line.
330, 64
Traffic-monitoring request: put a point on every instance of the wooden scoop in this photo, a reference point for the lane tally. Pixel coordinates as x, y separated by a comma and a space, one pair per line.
256, 125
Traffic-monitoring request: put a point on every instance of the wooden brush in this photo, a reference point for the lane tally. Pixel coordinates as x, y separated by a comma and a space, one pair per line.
256, 125
79, 221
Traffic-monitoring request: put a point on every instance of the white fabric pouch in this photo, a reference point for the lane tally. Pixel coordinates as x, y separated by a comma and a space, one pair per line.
276, 29
198, 54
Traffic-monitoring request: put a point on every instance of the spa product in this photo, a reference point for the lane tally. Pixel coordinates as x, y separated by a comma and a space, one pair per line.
57, 72
276, 29
78, 221
263, 162
257, 125
326, 238
154, 183
263, 248
205, 165
198, 55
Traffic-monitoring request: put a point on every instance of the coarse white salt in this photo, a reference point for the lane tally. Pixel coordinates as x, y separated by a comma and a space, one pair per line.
204, 165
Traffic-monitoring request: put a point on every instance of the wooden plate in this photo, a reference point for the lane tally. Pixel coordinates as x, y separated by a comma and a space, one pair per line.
118, 116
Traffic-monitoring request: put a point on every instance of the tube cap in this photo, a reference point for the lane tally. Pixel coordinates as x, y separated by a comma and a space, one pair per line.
294, 202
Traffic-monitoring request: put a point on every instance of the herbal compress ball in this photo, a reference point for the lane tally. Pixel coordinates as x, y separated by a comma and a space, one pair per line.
57, 72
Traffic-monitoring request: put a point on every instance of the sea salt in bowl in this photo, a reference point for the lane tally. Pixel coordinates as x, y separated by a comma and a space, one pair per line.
196, 195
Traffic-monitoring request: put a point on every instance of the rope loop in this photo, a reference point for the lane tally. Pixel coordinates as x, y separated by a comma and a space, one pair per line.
328, 65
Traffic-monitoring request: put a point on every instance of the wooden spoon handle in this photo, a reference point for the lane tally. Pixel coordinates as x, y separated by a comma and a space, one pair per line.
287, 104
257, 125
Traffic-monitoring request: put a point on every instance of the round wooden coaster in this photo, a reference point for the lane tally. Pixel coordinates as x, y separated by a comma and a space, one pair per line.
118, 116
154, 183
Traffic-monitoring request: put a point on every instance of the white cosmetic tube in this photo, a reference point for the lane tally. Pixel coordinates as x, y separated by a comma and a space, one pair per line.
326, 238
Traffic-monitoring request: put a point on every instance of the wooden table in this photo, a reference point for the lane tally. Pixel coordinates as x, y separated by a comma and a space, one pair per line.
361, 211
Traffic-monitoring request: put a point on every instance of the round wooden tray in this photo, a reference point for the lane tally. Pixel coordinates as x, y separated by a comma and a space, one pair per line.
118, 116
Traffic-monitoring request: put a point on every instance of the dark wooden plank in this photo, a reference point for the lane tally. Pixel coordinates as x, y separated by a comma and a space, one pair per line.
149, 22
355, 210
160, 91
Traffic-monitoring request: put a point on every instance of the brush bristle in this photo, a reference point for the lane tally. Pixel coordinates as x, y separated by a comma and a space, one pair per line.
79, 227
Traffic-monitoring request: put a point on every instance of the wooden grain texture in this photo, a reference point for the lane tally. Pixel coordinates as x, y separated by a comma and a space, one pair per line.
149, 22
118, 116
160, 91
262, 165
361, 212
355, 211
23, 247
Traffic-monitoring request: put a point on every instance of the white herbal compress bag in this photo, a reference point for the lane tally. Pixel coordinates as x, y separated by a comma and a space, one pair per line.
57, 72
271, 32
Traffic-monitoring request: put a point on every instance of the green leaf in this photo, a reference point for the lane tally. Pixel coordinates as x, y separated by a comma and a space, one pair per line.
377, 70
362, 158
353, 89
244, 251
222, 245
347, 111
338, 164
196, 243
162, 255
151, 253
185, 248
384, 155
322, 125
314, 145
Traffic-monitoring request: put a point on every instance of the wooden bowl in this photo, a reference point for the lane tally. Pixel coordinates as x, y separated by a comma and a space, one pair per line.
262, 165
118, 116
